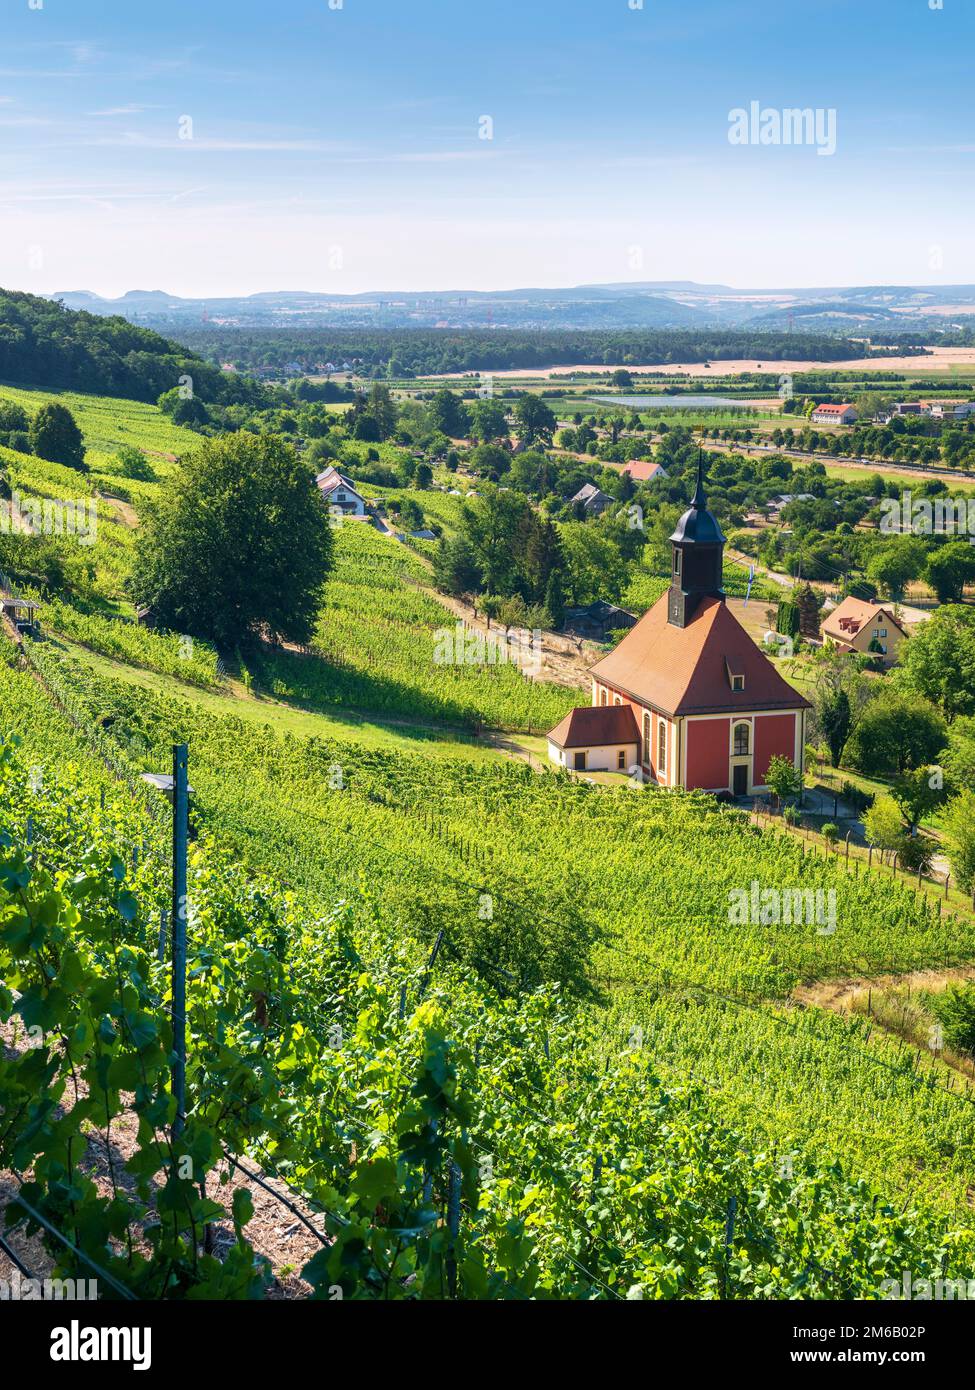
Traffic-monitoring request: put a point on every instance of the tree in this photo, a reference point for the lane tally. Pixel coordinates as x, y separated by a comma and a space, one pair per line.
896, 563
13, 417
917, 793
595, 567
455, 569
954, 1009
959, 824
424, 475
184, 410
490, 523
835, 720
535, 419
950, 567
239, 546
622, 379
488, 421
808, 605
788, 618
897, 731
489, 460
54, 435
131, 462
555, 600
939, 660
959, 760
883, 824
449, 414
783, 778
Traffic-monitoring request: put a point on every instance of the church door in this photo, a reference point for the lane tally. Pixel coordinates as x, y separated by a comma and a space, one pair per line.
740, 780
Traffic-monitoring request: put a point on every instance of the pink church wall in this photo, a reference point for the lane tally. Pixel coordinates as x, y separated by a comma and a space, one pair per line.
775, 734
707, 753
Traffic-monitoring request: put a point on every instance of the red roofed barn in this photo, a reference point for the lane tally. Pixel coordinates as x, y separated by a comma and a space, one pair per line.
687, 691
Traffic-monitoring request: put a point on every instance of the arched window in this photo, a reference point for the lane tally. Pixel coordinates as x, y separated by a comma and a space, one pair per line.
602, 697
661, 748
647, 745
742, 736
676, 564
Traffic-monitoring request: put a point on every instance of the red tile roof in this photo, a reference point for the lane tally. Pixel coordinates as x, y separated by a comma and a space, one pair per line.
854, 614
642, 470
685, 670
596, 726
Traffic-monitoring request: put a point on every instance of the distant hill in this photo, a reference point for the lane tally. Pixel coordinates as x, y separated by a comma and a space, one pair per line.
645, 304
44, 343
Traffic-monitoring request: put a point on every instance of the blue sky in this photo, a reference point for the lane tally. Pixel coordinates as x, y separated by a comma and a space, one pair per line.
340, 149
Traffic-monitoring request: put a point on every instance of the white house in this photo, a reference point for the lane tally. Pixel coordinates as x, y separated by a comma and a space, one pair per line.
338, 492
596, 740
833, 415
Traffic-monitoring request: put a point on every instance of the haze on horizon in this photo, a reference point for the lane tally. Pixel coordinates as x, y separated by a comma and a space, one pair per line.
235, 148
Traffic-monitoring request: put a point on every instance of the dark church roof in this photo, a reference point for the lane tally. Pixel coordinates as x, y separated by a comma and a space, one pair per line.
698, 525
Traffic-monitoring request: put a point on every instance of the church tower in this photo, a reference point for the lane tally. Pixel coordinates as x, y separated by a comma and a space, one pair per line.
698, 555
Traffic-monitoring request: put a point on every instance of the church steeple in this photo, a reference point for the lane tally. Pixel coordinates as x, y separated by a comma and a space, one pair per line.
698, 556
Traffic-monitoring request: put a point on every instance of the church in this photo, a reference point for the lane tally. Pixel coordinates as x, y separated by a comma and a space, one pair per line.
687, 698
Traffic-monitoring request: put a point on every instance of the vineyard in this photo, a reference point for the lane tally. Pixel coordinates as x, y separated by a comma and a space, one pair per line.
108, 423
452, 1139
481, 1033
377, 637
486, 859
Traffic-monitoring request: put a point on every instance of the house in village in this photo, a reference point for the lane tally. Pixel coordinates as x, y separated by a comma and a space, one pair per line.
834, 415
687, 698
592, 499
596, 620
868, 628
339, 493
643, 470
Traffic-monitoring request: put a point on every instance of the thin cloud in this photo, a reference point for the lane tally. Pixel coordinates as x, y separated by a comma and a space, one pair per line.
133, 110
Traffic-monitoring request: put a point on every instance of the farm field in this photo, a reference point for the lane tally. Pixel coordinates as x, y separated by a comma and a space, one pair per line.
960, 361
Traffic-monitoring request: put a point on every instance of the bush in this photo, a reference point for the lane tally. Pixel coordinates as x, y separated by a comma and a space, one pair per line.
830, 832
955, 1011
915, 853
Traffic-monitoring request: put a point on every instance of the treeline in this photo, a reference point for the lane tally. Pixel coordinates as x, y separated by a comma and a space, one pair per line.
44, 344
403, 353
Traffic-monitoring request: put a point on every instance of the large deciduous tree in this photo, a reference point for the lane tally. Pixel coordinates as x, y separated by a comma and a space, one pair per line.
535, 419
939, 660
239, 546
897, 731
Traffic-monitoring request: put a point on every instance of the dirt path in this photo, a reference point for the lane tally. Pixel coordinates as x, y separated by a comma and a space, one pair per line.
840, 996
564, 660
